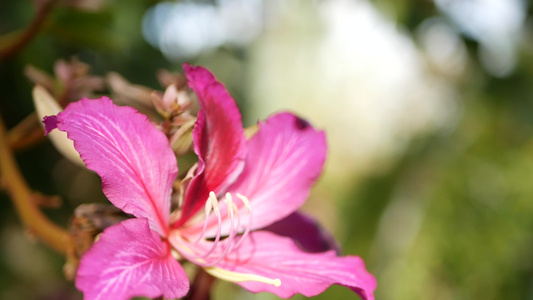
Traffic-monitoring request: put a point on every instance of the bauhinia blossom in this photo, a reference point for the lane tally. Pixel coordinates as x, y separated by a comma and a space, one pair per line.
237, 217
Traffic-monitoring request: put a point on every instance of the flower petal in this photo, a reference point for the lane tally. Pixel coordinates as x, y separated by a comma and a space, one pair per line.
130, 260
272, 256
219, 140
305, 231
284, 159
131, 155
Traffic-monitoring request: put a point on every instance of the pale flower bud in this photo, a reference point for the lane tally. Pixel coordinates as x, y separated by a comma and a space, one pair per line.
46, 105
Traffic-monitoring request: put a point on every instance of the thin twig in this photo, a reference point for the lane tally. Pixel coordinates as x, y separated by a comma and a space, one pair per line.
30, 32
26, 133
13, 182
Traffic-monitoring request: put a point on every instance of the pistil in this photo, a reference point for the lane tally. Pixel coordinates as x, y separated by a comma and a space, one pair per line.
241, 277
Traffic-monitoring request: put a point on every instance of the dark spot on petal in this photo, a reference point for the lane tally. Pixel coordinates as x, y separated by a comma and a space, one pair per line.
301, 123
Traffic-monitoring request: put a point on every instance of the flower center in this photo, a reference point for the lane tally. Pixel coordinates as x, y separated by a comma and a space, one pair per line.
234, 217
229, 219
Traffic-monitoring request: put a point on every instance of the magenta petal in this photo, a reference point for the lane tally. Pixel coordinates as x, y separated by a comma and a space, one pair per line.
305, 231
272, 256
50, 123
130, 260
284, 159
131, 155
219, 140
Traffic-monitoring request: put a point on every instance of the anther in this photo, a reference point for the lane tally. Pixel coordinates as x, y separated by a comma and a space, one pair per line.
214, 201
229, 199
245, 201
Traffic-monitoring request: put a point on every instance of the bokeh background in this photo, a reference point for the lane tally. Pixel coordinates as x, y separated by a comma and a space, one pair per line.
427, 105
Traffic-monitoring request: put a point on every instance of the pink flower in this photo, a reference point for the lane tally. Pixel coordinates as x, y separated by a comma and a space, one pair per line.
238, 216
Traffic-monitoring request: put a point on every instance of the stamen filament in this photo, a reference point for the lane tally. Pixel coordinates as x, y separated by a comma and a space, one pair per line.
231, 237
208, 208
229, 244
213, 205
182, 249
246, 203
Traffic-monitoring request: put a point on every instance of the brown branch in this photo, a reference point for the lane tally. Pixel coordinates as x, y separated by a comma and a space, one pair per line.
21, 195
201, 286
29, 33
26, 133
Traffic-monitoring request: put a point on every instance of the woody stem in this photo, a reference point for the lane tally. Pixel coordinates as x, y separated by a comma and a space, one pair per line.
201, 287
26, 133
21, 195
29, 33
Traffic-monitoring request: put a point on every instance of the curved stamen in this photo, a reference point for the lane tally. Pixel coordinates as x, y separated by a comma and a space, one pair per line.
230, 245
208, 208
238, 226
246, 203
211, 203
232, 210
184, 251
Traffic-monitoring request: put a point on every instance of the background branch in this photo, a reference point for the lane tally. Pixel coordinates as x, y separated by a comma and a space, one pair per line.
22, 197
29, 33
26, 133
